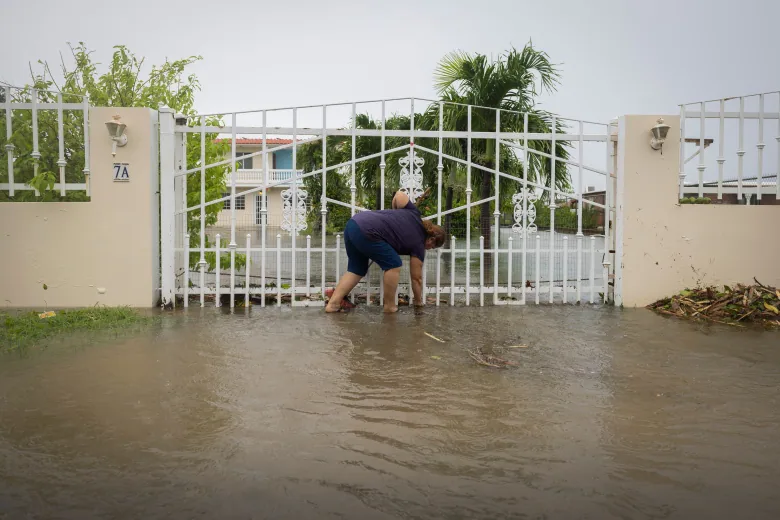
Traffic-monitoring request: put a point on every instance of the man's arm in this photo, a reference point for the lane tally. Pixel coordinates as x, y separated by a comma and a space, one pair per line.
416, 270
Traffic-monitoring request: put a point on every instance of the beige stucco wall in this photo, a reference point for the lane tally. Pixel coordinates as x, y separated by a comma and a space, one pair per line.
104, 251
668, 247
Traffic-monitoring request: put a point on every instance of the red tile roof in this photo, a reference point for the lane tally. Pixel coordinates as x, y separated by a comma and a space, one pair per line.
246, 140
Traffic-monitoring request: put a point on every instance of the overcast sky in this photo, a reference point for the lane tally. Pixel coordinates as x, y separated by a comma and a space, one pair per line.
616, 56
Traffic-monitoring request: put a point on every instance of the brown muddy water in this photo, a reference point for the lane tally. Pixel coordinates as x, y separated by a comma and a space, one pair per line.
294, 414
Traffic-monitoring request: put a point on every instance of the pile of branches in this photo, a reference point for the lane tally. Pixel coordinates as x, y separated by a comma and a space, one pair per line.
732, 305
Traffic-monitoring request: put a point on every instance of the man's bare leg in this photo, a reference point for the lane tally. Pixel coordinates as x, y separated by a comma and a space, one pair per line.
391, 277
346, 284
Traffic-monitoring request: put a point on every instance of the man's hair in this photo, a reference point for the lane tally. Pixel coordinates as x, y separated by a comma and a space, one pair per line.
437, 232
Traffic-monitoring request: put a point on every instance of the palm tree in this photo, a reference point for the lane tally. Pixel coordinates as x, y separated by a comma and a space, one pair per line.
508, 83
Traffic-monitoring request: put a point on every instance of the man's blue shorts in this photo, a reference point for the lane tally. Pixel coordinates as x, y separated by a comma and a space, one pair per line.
360, 249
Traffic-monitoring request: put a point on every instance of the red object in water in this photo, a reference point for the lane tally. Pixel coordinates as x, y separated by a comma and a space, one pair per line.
345, 303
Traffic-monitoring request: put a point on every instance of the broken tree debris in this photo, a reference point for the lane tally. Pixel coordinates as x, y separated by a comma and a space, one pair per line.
489, 359
730, 305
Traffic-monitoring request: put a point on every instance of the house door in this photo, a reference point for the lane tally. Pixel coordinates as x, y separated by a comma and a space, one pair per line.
257, 210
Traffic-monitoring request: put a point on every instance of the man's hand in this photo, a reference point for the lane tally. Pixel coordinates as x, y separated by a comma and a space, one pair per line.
416, 270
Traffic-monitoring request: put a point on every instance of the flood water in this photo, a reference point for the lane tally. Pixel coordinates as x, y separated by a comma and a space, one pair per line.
280, 413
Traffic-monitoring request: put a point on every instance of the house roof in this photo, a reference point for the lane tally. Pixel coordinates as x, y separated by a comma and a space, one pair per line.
249, 140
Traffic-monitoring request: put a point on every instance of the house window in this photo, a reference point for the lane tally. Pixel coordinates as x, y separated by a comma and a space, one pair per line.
244, 164
240, 202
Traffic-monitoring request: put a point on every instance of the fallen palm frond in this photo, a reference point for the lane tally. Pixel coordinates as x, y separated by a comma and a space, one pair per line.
489, 360
731, 306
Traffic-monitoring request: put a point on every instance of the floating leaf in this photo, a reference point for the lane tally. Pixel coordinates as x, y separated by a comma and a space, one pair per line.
435, 357
45, 287
47, 314
518, 346
686, 293
771, 308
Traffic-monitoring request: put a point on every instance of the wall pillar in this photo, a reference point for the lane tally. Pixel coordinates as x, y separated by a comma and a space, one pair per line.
104, 251
662, 246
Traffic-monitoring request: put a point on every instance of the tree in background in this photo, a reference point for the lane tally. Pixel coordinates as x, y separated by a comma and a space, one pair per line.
508, 83
368, 174
124, 83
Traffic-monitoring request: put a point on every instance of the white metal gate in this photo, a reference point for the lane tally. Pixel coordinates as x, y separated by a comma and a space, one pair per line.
538, 249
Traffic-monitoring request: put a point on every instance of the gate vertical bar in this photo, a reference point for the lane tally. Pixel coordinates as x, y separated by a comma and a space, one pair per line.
323, 202
294, 177
186, 269
580, 208
439, 169
179, 204
452, 271
308, 265
681, 175
167, 205
741, 149
86, 171
620, 224
481, 271
538, 267
9, 147
185, 214
777, 138
509, 268
278, 270
202, 259
721, 143
496, 212
552, 209
526, 165
701, 167
382, 166
760, 146
608, 203
338, 257
264, 210
217, 297
565, 266
592, 269
233, 244
61, 138
411, 170
248, 268
468, 209
353, 186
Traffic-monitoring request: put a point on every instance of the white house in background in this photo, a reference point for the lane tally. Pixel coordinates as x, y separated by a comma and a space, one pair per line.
250, 175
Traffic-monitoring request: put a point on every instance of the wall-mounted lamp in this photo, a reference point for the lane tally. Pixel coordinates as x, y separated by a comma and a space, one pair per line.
116, 130
659, 132
181, 119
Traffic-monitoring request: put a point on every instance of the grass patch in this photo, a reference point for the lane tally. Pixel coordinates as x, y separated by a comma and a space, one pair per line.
29, 329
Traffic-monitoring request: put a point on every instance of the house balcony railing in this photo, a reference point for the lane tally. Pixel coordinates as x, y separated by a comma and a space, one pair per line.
255, 177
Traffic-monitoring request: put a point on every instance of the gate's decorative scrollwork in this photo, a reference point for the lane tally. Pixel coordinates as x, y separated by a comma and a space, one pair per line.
300, 211
411, 179
524, 219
